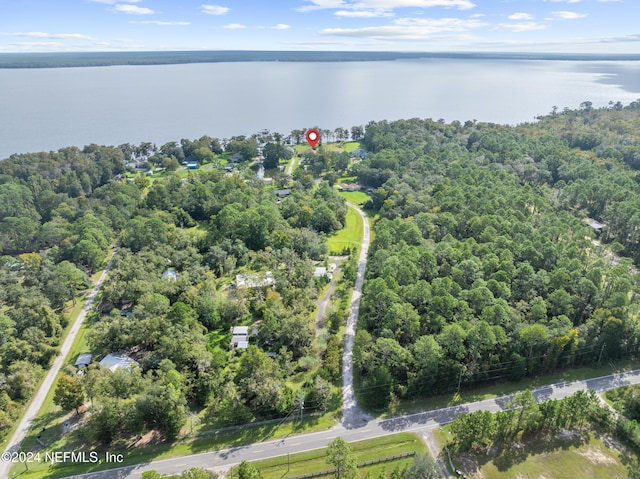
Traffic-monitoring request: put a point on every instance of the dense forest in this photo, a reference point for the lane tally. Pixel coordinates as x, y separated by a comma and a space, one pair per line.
483, 265
61, 214
499, 252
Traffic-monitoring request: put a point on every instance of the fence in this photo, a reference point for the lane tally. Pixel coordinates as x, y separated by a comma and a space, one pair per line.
361, 464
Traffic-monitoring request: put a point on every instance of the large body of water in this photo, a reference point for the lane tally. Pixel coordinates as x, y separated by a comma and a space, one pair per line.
45, 109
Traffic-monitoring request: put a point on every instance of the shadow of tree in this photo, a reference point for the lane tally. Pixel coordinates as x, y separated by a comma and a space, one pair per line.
506, 454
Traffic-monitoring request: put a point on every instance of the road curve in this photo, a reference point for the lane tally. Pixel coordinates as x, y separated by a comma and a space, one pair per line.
38, 399
419, 422
352, 415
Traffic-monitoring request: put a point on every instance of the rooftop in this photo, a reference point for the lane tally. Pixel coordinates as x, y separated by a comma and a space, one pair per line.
255, 280
83, 360
115, 361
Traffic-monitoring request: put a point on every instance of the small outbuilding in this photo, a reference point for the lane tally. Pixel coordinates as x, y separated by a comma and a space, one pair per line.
83, 360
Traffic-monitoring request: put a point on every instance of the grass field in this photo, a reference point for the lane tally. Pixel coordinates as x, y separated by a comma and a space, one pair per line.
570, 456
355, 197
315, 461
349, 236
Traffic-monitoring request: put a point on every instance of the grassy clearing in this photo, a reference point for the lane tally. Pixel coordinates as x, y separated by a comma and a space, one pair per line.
352, 145
502, 389
315, 461
569, 456
355, 197
349, 236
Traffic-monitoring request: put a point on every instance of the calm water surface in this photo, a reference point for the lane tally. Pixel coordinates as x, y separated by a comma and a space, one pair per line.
45, 109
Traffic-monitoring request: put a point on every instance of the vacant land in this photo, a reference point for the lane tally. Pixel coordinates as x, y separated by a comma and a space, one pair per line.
315, 461
349, 236
568, 456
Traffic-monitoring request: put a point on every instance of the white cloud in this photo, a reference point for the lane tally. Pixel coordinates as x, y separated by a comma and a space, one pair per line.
56, 36
362, 13
159, 22
233, 26
113, 2
564, 15
572, 1
410, 29
214, 9
56, 45
281, 26
520, 16
519, 27
134, 10
383, 6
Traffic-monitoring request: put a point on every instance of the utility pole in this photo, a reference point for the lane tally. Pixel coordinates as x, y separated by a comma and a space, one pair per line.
601, 351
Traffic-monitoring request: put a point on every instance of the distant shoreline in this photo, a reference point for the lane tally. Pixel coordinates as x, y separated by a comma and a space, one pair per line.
97, 59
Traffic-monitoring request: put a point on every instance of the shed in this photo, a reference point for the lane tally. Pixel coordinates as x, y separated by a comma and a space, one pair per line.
192, 164
83, 360
115, 361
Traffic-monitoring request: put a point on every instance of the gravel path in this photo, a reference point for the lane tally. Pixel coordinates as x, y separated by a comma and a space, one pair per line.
352, 415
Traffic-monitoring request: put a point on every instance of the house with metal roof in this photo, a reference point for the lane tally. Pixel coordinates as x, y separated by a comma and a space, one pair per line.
115, 361
83, 360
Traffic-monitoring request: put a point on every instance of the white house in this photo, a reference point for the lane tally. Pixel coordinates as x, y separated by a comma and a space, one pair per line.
240, 337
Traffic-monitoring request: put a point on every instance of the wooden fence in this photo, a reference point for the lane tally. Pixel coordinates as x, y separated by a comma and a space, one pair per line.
328, 472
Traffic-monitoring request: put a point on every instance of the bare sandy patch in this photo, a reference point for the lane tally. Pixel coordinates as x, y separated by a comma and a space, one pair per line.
596, 456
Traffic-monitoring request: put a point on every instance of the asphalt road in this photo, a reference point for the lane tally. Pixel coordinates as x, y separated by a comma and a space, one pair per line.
38, 400
419, 422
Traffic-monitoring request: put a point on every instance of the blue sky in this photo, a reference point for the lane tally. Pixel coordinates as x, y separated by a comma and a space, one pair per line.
599, 26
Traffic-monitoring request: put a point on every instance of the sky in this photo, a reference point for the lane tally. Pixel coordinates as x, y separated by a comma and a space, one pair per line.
571, 26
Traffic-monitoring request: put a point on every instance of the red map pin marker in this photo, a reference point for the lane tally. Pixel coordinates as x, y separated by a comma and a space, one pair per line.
313, 137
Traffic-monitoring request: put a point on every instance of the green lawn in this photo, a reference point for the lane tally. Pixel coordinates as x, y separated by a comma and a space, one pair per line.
562, 457
315, 461
355, 197
349, 236
352, 145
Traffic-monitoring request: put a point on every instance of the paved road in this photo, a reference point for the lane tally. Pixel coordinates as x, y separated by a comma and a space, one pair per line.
352, 415
41, 394
419, 422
